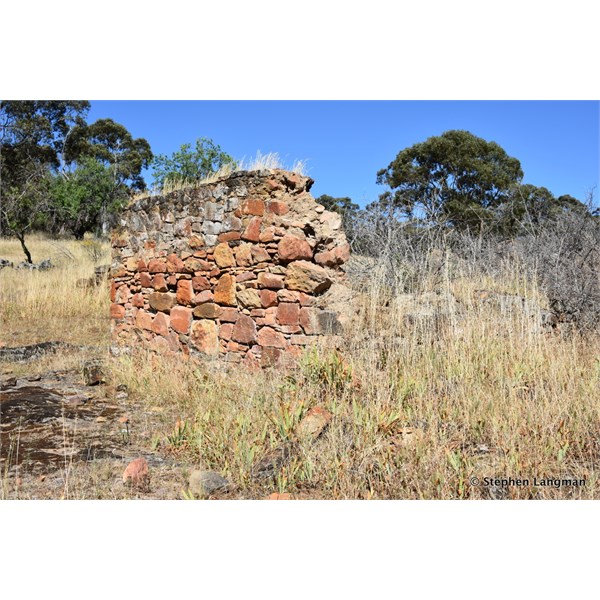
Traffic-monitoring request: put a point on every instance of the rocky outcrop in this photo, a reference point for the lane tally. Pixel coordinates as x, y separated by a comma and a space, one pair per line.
235, 269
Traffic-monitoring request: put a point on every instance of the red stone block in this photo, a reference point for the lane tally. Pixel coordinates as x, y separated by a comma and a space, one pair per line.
326, 259
193, 265
202, 297
143, 320
247, 276
268, 298
271, 281
269, 337
244, 330
271, 316
342, 253
271, 357
229, 236
157, 266
225, 331
159, 283
253, 207
252, 231
229, 315
160, 325
175, 264
288, 313
225, 291
117, 311
293, 248
185, 292
145, 280
200, 283
267, 235
181, 319
278, 208
138, 300
260, 254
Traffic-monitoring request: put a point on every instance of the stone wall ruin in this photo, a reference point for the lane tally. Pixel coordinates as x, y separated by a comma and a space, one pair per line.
237, 269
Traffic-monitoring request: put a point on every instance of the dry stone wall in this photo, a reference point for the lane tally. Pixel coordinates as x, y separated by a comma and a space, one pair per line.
237, 269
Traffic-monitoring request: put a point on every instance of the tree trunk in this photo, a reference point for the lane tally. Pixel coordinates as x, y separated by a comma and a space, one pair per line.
21, 238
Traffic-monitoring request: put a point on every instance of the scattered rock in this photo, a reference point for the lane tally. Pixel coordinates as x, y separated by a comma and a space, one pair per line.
314, 423
270, 464
101, 273
205, 483
277, 496
136, 473
5, 263
93, 373
76, 400
32, 351
44, 265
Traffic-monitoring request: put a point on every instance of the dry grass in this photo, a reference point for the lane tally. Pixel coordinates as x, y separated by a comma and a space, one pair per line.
420, 406
37, 306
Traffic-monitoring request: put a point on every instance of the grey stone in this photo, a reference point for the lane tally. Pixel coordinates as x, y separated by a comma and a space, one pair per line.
232, 223
231, 203
220, 191
271, 463
205, 483
93, 373
213, 211
212, 228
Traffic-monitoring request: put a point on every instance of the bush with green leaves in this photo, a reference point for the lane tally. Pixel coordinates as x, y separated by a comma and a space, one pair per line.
189, 165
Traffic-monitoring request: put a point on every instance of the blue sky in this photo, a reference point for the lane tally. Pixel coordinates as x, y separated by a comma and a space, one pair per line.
345, 143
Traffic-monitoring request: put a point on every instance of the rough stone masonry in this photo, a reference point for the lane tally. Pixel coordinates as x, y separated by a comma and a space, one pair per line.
237, 269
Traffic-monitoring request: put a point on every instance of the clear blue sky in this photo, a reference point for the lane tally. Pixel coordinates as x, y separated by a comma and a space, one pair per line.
345, 143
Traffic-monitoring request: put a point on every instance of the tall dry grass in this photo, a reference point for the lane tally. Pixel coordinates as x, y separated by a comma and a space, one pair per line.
441, 378
431, 389
38, 306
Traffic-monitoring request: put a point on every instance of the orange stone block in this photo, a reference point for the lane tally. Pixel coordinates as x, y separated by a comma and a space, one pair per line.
225, 291
288, 313
185, 292
181, 319
252, 231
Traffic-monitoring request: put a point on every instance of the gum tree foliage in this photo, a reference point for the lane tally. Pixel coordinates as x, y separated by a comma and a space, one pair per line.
33, 137
85, 197
108, 164
456, 178
460, 180
55, 166
112, 145
189, 164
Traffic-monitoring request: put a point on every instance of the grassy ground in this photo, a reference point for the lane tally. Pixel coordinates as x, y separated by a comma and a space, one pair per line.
420, 407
